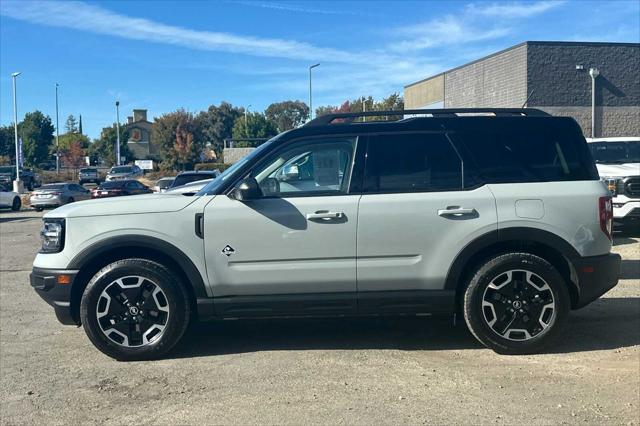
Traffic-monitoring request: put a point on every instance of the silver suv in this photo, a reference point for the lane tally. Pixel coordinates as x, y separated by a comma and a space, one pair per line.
497, 215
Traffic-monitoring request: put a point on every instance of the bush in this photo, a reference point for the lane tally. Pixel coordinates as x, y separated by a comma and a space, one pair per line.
211, 166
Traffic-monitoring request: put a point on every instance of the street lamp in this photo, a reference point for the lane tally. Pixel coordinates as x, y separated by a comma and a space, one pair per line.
16, 185
117, 133
57, 134
246, 125
594, 73
310, 95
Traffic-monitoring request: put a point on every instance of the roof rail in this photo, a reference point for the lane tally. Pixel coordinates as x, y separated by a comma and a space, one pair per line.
348, 117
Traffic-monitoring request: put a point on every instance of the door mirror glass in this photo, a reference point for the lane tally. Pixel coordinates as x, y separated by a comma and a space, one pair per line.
290, 172
248, 189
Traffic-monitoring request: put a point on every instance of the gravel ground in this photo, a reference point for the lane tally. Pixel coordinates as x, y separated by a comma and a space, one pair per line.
338, 371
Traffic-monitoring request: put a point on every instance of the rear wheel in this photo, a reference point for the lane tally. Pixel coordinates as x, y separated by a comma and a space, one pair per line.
38, 209
15, 206
516, 303
135, 309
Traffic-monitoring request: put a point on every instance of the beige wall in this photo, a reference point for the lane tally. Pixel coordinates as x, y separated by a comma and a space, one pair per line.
424, 93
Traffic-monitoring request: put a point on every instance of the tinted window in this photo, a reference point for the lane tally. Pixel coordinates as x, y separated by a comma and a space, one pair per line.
412, 163
530, 154
113, 184
125, 169
615, 152
53, 186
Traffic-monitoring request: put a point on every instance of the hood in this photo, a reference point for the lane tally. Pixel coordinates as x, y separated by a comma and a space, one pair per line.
135, 204
618, 170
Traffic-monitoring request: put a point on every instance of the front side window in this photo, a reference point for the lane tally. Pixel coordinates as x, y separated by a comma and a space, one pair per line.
311, 167
416, 162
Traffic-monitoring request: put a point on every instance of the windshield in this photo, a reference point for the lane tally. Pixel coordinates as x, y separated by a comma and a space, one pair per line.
88, 170
164, 183
121, 169
615, 152
231, 171
186, 178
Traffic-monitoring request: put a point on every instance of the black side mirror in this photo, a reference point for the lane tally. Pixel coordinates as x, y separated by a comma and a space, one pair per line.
247, 190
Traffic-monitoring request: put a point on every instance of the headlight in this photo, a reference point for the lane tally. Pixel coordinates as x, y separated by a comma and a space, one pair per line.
52, 236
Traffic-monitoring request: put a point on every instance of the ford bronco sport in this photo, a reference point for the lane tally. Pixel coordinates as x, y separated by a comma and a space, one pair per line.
498, 215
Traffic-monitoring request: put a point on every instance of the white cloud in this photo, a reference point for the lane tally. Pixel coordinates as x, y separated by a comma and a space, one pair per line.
292, 7
513, 9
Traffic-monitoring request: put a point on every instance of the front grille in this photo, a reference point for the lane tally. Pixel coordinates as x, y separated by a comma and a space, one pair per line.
632, 187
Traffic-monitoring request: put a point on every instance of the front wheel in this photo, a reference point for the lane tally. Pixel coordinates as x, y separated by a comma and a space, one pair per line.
516, 303
135, 309
15, 206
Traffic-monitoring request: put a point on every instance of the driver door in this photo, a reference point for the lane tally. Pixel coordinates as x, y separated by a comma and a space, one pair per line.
292, 250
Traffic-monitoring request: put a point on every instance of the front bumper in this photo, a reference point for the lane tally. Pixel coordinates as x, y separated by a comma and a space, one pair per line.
596, 276
46, 282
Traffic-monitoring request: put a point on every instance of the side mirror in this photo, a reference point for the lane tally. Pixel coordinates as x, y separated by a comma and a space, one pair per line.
247, 190
290, 172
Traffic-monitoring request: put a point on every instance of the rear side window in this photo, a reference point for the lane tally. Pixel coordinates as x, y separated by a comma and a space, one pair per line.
531, 154
415, 162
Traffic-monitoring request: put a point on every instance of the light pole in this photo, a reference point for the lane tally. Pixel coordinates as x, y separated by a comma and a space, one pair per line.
15, 130
310, 94
117, 133
57, 134
246, 125
594, 73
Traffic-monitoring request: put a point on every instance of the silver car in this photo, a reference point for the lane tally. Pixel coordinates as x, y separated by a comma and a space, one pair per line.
57, 194
123, 172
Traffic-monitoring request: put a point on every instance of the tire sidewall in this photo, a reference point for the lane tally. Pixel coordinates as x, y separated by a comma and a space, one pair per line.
175, 294
488, 272
16, 204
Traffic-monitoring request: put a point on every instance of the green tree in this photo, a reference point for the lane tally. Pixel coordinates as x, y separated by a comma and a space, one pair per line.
287, 115
7, 144
171, 132
216, 124
253, 125
102, 150
71, 125
68, 138
394, 102
36, 132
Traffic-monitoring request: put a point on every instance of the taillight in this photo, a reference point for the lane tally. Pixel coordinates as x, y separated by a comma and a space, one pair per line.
606, 215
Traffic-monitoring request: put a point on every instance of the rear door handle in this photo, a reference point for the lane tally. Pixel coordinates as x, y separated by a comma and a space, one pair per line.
324, 214
456, 212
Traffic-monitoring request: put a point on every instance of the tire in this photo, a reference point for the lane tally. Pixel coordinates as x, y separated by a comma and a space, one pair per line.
39, 209
505, 297
15, 206
170, 309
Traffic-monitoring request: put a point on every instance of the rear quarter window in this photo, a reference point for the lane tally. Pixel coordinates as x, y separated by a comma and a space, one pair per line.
529, 154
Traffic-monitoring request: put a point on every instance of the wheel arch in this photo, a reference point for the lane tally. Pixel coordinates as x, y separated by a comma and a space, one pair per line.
104, 252
544, 244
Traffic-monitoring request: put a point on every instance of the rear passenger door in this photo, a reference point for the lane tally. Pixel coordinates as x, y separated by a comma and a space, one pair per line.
420, 207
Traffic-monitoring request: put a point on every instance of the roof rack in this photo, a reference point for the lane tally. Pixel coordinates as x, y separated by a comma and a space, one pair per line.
348, 117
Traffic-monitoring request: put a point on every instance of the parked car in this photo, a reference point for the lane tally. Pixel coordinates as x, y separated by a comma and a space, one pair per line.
496, 214
89, 175
618, 162
186, 177
189, 188
163, 184
119, 188
57, 194
8, 198
47, 165
123, 172
27, 176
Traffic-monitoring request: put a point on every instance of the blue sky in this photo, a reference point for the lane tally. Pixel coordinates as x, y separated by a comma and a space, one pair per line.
163, 55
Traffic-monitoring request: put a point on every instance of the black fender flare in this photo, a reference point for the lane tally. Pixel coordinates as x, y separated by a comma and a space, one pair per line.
100, 248
519, 234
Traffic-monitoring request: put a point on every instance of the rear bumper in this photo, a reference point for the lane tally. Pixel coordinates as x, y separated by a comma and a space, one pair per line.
46, 283
45, 202
596, 276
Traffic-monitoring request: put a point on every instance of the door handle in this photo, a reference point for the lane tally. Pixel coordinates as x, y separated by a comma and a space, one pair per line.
456, 212
324, 214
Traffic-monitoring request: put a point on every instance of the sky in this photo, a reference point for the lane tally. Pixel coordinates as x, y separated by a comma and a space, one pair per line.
165, 55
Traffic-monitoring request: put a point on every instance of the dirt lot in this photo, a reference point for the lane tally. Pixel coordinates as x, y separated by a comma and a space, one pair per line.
412, 370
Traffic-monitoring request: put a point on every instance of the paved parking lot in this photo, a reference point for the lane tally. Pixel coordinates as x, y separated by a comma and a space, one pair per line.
387, 370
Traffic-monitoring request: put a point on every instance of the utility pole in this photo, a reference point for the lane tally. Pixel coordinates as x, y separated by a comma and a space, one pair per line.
310, 93
57, 135
16, 186
117, 133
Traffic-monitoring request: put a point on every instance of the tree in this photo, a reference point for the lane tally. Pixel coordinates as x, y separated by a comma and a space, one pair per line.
102, 150
80, 125
67, 139
7, 144
287, 115
36, 132
216, 124
164, 132
394, 102
253, 125
73, 155
71, 125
